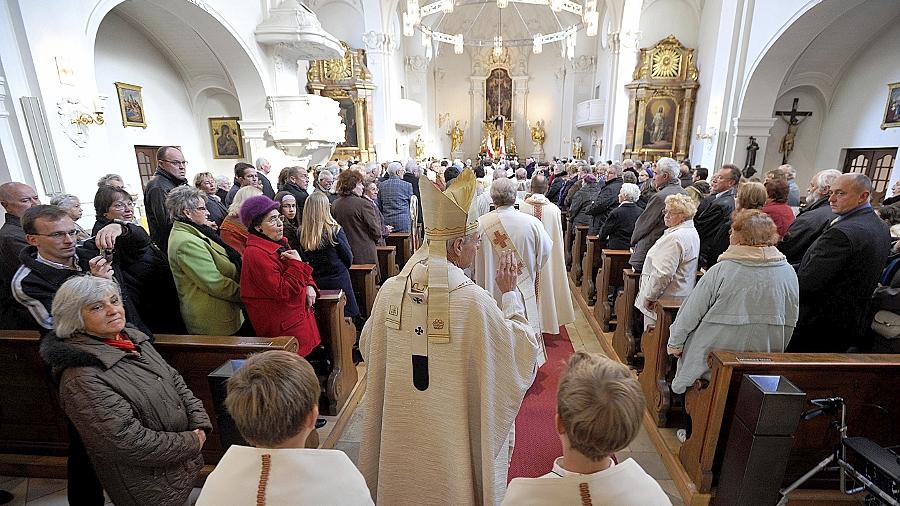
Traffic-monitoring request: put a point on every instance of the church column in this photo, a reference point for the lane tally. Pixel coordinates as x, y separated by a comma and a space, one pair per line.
8, 145
475, 131
743, 129
520, 126
379, 48
626, 46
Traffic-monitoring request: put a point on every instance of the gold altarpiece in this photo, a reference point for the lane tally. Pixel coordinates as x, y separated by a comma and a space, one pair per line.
661, 102
349, 82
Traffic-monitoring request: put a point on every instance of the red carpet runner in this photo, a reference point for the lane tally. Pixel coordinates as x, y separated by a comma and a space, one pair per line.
537, 444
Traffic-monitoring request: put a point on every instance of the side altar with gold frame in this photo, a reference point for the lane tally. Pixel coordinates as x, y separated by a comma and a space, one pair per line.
661, 102
349, 82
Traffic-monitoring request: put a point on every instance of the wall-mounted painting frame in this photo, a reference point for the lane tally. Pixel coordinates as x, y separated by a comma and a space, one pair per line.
131, 105
227, 140
891, 118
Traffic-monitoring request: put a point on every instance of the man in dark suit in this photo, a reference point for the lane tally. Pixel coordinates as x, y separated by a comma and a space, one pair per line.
713, 218
812, 219
169, 174
840, 271
607, 199
650, 225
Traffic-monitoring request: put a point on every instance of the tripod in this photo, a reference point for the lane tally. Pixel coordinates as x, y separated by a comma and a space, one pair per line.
830, 406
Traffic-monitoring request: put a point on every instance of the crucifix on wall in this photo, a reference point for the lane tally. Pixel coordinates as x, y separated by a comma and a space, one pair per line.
793, 118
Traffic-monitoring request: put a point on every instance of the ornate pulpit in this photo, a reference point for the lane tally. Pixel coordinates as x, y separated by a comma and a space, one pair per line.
661, 102
349, 82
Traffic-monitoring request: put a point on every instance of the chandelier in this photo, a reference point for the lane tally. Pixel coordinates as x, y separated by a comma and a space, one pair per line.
566, 36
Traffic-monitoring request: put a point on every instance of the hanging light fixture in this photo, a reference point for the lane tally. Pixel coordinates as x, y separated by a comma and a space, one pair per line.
498, 40
458, 45
501, 4
538, 46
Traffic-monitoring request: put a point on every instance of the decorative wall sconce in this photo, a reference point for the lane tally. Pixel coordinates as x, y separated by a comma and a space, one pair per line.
708, 135
83, 117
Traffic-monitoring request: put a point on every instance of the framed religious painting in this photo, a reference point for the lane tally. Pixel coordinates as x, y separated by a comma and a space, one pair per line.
348, 118
892, 108
660, 122
225, 134
131, 105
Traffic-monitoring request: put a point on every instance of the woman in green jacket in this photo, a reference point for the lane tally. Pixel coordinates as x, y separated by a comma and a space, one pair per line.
207, 271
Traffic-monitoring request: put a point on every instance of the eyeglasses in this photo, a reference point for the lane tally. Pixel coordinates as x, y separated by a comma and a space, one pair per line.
275, 220
122, 205
59, 235
175, 162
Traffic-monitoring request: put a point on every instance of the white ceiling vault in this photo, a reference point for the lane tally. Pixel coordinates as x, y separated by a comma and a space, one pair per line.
824, 61
187, 51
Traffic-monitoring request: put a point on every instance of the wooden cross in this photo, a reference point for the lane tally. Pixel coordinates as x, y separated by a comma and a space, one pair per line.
500, 239
793, 118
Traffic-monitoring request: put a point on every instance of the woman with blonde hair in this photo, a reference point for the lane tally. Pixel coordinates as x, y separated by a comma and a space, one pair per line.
324, 246
670, 269
206, 182
750, 195
232, 231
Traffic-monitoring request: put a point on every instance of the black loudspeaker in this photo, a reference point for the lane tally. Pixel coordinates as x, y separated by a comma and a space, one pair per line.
218, 385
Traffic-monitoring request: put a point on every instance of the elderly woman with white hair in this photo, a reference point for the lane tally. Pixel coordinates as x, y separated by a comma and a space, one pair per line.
619, 226
72, 206
394, 197
141, 426
670, 269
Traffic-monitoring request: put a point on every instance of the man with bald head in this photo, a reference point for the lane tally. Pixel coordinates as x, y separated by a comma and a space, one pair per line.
170, 172
840, 270
16, 198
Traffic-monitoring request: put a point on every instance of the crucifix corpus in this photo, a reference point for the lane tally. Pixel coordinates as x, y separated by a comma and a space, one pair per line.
793, 118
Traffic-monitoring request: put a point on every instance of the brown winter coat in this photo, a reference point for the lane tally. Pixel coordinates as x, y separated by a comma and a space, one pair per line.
134, 414
357, 216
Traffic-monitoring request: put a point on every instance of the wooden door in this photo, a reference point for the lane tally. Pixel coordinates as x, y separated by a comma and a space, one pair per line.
146, 161
875, 163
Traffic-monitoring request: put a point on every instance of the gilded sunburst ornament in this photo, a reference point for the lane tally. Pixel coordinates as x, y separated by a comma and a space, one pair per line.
666, 63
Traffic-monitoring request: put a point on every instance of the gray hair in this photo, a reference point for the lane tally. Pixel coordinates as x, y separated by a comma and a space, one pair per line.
629, 177
76, 293
789, 171
412, 167
630, 192
628, 163
823, 180
395, 169
503, 192
105, 180
223, 181
323, 174
183, 198
64, 201
260, 162
668, 166
521, 174
616, 168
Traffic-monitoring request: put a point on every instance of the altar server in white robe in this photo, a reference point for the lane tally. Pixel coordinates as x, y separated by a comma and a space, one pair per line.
446, 368
273, 399
551, 283
599, 407
481, 204
507, 229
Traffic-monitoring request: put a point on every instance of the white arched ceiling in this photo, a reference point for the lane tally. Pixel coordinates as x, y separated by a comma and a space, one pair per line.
343, 20
660, 18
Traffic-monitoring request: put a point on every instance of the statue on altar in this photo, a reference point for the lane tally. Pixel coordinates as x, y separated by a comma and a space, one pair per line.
538, 135
577, 149
457, 136
419, 147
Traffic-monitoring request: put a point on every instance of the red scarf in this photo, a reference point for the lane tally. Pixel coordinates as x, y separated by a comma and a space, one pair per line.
121, 342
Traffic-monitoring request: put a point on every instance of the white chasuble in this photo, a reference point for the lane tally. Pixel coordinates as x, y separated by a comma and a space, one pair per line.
508, 229
553, 297
446, 444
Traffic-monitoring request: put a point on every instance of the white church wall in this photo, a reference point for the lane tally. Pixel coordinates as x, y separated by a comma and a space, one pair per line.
343, 20
669, 17
806, 142
769, 19
451, 92
545, 95
123, 54
857, 109
216, 104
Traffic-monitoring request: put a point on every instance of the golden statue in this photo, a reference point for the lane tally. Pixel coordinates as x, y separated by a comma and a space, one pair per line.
511, 147
457, 136
419, 147
577, 149
538, 135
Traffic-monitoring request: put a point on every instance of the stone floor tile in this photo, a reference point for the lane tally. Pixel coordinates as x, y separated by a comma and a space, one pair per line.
18, 487
39, 487
57, 498
351, 449
671, 490
650, 461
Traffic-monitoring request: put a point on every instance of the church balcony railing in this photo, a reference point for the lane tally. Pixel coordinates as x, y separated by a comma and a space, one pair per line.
408, 114
590, 113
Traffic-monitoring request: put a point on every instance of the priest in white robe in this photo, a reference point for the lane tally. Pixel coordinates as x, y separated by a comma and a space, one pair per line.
447, 368
553, 297
508, 229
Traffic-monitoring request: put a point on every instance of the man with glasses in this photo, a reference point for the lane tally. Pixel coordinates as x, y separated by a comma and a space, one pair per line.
53, 256
170, 172
16, 198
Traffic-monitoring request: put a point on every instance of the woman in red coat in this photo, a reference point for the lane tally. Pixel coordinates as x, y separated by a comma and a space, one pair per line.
776, 205
277, 287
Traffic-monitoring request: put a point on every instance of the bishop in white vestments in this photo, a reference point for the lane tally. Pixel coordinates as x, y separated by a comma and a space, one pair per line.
508, 229
553, 297
447, 368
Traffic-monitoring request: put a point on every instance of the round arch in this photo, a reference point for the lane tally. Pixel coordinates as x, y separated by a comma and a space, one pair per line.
239, 61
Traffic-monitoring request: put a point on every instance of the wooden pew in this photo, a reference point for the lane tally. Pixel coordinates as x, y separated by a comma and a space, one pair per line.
362, 277
338, 335
578, 246
564, 218
589, 265
658, 365
610, 275
624, 341
387, 262
568, 239
402, 241
867, 382
31, 422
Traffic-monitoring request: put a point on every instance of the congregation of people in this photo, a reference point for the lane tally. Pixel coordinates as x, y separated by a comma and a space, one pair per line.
452, 343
